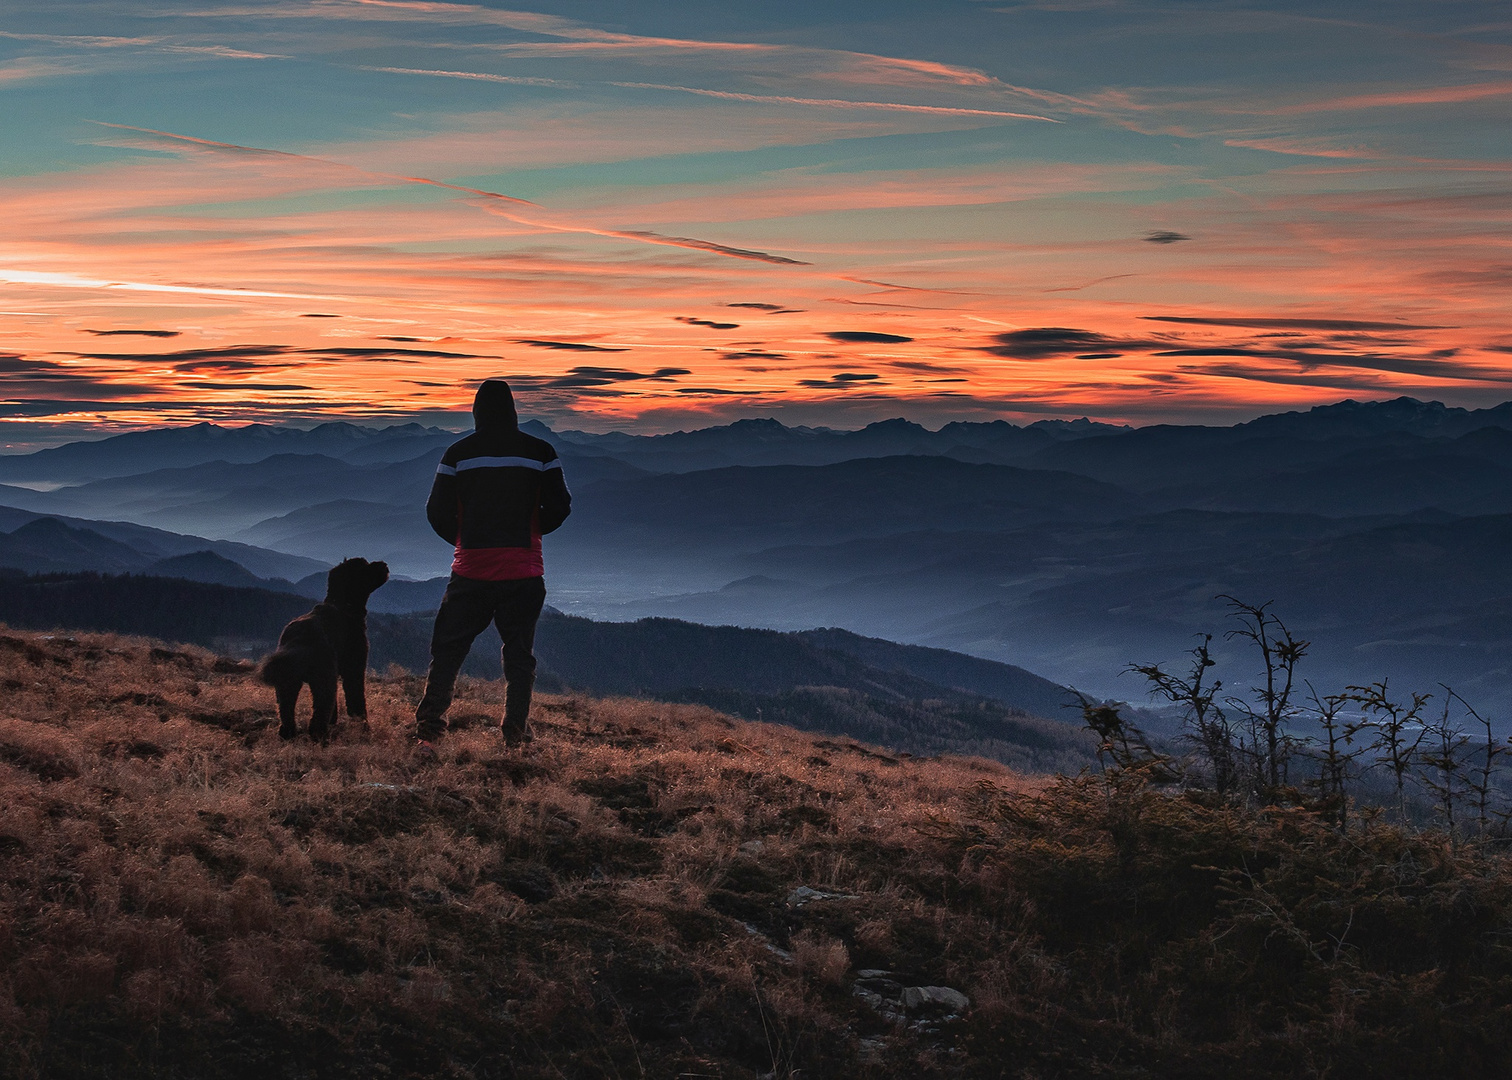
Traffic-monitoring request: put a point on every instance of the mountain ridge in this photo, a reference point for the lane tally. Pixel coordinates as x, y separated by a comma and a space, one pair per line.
142, 546
118, 454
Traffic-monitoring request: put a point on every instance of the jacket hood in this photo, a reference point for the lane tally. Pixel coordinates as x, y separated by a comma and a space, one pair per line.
494, 407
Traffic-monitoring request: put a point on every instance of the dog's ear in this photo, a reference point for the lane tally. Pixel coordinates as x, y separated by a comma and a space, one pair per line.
344, 574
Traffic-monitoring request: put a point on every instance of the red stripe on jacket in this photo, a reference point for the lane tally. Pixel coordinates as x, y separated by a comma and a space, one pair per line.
500, 564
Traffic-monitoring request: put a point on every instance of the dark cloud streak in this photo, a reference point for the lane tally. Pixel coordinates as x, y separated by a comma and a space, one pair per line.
567, 346
188, 355
858, 337
1045, 342
1401, 365
586, 377
1291, 324
244, 386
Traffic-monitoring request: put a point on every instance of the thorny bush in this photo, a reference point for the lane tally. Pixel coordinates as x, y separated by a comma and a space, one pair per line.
1428, 757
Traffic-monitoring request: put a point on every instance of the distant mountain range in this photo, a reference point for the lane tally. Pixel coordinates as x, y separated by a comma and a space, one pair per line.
47, 545
768, 442
1378, 528
196, 444
44, 543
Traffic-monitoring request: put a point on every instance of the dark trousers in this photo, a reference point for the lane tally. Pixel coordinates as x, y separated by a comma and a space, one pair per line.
466, 610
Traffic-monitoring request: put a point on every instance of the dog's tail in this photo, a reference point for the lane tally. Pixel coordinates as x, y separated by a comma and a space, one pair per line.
280, 668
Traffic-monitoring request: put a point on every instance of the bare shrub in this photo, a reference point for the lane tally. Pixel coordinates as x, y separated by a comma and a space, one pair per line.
821, 957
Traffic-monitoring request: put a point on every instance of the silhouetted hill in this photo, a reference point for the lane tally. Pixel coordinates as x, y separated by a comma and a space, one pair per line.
212, 569
757, 442
172, 609
396, 597
221, 496
46, 544
782, 676
399, 535
969, 674
1431, 419
195, 444
769, 442
151, 545
653, 656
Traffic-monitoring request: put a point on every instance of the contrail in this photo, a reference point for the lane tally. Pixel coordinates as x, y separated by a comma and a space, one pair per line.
77, 281
478, 76
497, 202
729, 95
836, 103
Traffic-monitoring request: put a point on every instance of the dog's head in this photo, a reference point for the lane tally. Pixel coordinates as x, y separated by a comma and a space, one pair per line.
352, 581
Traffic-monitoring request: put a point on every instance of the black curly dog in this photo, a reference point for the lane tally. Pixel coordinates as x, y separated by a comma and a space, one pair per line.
329, 643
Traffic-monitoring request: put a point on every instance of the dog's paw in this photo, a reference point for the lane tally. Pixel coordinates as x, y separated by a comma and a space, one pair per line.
287, 733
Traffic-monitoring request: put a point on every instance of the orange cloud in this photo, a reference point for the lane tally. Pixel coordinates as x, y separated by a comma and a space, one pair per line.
1390, 99
841, 287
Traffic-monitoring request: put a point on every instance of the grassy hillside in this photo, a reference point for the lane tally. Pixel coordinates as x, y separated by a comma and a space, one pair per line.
757, 674
658, 890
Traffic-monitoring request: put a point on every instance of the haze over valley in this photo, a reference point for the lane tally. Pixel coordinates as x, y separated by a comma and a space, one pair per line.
1380, 530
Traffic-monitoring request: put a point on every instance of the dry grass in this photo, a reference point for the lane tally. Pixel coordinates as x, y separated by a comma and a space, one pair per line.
176, 878
183, 895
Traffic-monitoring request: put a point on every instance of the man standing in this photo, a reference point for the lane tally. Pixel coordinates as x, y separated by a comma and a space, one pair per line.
496, 492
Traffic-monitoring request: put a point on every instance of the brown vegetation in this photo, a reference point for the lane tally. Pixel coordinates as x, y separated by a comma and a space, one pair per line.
658, 890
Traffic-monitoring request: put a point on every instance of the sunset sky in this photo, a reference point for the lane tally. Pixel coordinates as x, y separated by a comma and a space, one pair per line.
674, 213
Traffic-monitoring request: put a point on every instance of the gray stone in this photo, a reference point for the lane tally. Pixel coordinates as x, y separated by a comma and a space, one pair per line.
918, 998
759, 936
803, 895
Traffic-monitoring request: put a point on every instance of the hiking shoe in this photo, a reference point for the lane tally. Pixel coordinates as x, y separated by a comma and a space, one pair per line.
425, 752
517, 734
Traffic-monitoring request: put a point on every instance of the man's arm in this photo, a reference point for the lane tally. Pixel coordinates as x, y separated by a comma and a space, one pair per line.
441, 507
556, 500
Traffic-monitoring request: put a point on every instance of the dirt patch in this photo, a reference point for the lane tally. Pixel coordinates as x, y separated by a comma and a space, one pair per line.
530, 881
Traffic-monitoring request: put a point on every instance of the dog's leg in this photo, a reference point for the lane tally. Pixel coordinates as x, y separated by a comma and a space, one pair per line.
354, 679
288, 700
323, 692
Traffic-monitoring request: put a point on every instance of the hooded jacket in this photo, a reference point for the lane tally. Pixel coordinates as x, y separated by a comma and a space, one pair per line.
496, 493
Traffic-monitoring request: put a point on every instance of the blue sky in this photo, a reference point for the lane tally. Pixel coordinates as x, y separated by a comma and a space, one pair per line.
1223, 209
